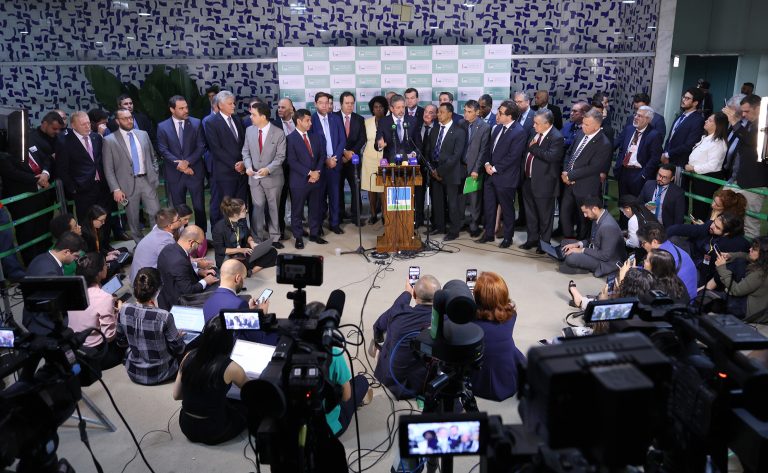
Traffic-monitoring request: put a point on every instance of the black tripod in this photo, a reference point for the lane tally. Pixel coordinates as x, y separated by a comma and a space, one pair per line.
428, 244
357, 199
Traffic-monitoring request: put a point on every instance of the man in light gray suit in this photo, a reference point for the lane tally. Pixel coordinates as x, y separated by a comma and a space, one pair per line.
604, 248
263, 156
478, 138
129, 166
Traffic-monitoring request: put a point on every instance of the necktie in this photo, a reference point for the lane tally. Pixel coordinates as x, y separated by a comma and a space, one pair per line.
232, 127
261, 146
575, 155
346, 125
36, 170
469, 133
134, 154
439, 142
288, 127
135, 124
399, 130
679, 120
659, 192
499, 137
529, 159
181, 133
309, 147
87, 141
426, 131
328, 141
635, 139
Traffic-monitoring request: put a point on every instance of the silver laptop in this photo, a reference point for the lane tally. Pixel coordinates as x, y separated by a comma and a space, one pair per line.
253, 358
190, 320
553, 251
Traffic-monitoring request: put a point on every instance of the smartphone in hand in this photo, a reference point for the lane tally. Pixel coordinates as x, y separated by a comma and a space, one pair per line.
414, 272
264, 297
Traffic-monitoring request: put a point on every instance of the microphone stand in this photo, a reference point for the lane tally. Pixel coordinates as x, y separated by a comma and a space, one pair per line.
425, 164
360, 249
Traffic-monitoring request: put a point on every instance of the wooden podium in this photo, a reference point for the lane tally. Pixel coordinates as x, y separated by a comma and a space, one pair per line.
398, 208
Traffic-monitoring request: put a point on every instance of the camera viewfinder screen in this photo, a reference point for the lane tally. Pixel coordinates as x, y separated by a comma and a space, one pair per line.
612, 312
241, 320
6, 338
446, 438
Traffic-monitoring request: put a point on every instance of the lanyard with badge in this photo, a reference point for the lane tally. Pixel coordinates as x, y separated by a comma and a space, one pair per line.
712, 247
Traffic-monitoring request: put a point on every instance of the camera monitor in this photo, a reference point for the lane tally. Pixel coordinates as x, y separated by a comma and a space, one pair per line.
6, 337
430, 435
242, 319
300, 270
54, 293
610, 310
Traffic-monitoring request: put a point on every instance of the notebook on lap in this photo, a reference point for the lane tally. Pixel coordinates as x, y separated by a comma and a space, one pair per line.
554, 251
260, 250
190, 320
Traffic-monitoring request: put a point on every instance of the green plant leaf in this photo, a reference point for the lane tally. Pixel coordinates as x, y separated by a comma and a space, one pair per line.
105, 86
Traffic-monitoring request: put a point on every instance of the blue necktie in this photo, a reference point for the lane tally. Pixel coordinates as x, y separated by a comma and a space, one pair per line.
181, 134
399, 130
439, 142
327, 133
659, 192
134, 154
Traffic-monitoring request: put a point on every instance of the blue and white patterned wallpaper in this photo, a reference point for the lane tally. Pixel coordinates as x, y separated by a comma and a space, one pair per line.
194, 31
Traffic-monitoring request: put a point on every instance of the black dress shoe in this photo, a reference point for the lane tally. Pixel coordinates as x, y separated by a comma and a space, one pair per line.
451, 236
519, 222
337, 230
321, 232
505, 243
373, 220
539, 251
299, 244
437, 231
277, 245
318, 240
485, 240
475, 233
528, 245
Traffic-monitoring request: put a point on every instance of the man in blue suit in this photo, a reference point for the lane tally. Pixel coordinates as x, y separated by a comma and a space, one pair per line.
503, 167
225, 136
686, 130
639, 154
329, 126
181, 141
526, 114
305, 153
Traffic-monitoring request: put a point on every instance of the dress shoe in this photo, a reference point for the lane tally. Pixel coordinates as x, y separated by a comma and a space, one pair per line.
321, 232
318, 240
373, 220
451, 236
437, 231
505, 243
299, 244
277, 245
475, 233
485, 240
539, 251
337, 230
528, 245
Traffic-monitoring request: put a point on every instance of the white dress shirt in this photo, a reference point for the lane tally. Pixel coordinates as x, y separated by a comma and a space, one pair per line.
127, 141
708, 155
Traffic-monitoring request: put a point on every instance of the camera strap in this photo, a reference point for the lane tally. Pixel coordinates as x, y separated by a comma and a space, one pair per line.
84, 439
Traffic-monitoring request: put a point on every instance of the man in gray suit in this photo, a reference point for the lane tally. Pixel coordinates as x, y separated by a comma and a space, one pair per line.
604, 248
263, 156
129, 166
478, 137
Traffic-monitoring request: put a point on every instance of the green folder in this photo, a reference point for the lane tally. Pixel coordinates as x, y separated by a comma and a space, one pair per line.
471, 185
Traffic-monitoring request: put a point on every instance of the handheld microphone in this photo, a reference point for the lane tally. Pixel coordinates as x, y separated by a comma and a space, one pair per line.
355, 159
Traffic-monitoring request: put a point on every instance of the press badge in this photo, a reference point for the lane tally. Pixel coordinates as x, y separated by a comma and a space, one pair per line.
706, 259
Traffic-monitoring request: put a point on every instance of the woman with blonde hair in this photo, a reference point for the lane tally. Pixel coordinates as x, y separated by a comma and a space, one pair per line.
496, 315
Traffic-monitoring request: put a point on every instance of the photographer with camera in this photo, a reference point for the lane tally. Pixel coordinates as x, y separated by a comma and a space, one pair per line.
397, 367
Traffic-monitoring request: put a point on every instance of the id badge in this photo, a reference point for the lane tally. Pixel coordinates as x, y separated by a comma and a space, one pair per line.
706, 259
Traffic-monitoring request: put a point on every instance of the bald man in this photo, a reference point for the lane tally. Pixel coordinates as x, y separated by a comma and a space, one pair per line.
177, 273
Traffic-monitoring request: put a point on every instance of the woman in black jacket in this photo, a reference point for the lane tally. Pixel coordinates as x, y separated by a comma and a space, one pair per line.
233, 239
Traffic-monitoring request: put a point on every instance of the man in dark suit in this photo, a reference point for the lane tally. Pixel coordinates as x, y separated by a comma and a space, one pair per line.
445, 150
447, 97
421, 139
639, 153
45, 136
412, 107
588, 156
394, 131
604, 248
80, 168
526, 121
478, 141
329, 125
503, 169
686, 131
486, 113
305, 153
542, 101
658, 124
64, 251
176, 271
181, 141
541, 168
354, 129
140, 120
285, 111
664, 198
573, 126
225, 136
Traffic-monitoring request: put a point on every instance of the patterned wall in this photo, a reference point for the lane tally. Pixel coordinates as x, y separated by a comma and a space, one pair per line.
197, 30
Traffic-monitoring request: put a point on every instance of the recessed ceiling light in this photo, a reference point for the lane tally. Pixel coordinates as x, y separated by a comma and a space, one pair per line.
630, 37
232, 39
547, 28
651, 28
24, 32
433, 27
99, 43
470, 5
143, 13
627, 1
321, 29
130, 37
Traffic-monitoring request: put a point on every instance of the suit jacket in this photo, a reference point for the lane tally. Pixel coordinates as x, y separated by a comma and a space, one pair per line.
356, 139
556, 112
338, 136
490, 119
648, 151
44, 264
17, 176
148, 250
606, 245
751, 173
118, 165
657, 124
141, 121
680, 143
674, 206
448, 162
594, 159
547, 164
191, 150
393, 141
178, 276
300, 162
74, 166
508, 155
527, 124
419, 116
224, 149
477, 144
271, 156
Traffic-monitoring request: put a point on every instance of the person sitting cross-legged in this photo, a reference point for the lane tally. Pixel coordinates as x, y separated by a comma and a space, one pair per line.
600, 253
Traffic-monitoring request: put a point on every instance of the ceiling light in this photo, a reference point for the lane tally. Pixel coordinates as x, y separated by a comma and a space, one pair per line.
130, 37
232, 39
23, 32
547, 28
120, 5
99, 43
630, 37
433, 27
321, 29
651, 28
470, 5
143, 13
617, 32
627, 1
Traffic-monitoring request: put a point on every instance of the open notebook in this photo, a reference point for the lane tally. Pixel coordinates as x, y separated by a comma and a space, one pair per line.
253, 357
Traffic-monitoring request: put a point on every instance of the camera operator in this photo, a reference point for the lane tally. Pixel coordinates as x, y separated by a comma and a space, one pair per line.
50, 263
398, 321
339, 375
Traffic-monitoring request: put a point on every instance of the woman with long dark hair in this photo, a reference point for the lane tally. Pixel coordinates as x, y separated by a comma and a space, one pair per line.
97, 239
638, 217
233, 239
662, 264
202, 383
754, 285
707, 159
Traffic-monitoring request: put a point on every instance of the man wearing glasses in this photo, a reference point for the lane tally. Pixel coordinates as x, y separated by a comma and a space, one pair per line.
178, 275
685, 133
664, 198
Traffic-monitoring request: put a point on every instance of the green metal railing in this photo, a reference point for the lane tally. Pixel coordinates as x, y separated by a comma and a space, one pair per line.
26, 218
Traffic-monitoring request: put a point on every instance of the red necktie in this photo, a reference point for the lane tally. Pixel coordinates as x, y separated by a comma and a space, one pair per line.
346, 125
309, 147
635, 137
36, 170
529, 159
260, 145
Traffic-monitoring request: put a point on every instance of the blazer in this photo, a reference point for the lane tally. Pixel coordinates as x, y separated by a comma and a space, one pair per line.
680, 143
393, 141
118, 165
225, 299
648, 151
271, 156
191, 150
142, 121
148, 249
300, 162
751, 172
547, 164
336, 129
594, 159
527, 124
490, 119
357, 138
556, 112
224, 149
497, 377
419, 116
606, 244
674, 205
178, 276
448, 162
507, 155
657, 124
44, 264
18, 177
477, 144
74, 166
